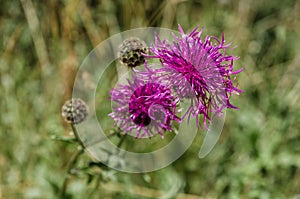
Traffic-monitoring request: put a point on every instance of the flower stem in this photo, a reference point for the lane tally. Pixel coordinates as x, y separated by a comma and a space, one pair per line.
121, 141
77, 136
75, 157
71, 164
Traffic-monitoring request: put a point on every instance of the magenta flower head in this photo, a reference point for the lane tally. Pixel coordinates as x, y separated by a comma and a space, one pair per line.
204, 65
144, 107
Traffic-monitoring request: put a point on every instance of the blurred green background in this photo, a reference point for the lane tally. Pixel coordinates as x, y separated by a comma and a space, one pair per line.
42, 45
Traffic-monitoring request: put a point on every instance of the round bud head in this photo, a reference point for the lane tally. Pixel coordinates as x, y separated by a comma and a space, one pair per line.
74, 111
131, 52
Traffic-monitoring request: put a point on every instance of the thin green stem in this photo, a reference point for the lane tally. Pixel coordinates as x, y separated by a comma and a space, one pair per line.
75, 157
121, 141
109, 136
77, 136
71, 165
72, 162
114, 133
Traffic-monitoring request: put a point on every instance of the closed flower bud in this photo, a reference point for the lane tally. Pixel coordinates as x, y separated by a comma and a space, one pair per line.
74, 111
131, 52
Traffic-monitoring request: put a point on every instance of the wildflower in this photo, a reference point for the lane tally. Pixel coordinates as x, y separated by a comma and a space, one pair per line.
74, 111
144, 107
204, 65
131, 52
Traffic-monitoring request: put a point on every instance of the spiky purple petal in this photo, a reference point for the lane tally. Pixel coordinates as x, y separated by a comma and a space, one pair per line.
204, 65
144, 107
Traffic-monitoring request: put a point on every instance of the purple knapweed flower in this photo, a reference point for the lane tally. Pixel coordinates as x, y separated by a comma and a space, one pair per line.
204, 65
144, 107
